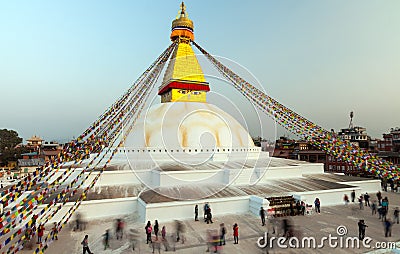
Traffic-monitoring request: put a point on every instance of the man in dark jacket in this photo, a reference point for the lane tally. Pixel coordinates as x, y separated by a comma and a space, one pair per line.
262, 215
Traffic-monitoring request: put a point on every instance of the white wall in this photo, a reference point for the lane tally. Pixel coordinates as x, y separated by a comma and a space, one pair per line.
326, 197
312, 168
124, 177
370, 186
282, 172
256, 203
185, 209
173, 178
96, 209
335, 197
141, 210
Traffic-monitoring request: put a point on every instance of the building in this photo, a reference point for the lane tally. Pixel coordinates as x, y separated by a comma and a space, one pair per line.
298, 150
303, 150
34, 142
356, 135
284, 148
49, 150
41, 152
389, 146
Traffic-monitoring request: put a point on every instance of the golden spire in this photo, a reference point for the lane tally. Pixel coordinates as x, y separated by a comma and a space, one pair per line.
183, 79
182, 26
183, 10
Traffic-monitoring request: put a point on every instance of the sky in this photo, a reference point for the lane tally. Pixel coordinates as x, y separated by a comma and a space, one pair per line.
62, 63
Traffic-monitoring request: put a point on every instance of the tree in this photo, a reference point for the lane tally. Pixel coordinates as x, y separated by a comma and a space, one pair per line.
8, 139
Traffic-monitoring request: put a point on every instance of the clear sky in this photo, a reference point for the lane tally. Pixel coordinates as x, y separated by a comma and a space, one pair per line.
63, 62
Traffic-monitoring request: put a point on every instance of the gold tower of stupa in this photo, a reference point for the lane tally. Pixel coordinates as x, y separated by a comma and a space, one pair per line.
184, 79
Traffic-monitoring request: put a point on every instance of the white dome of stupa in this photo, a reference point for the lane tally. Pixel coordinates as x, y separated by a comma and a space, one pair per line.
179, 125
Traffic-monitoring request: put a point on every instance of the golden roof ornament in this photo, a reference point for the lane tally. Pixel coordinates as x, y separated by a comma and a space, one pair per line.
182, 26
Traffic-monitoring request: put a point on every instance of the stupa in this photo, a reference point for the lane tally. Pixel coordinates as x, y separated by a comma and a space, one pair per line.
186, 151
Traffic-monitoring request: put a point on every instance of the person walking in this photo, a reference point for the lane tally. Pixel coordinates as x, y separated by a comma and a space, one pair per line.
373, 207
106, 239
54, 232
206, 206
155, 229
360, 202
236, 233
180, 229
163, 233
384, 213
119, 229
222, 234
40, 231
209, 216
317, 204
388, 228
379, 197
303, 207
346, 199
262, 215
85, 245
149, 230
366, 199
396, 215
196, 213
385, 203
353, 196
361, 229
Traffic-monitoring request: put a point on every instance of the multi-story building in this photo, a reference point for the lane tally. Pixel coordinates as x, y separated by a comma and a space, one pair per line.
298, 150
284, 148
356, 135
389, 146
303, 150
49, 150
34, 142
41, 152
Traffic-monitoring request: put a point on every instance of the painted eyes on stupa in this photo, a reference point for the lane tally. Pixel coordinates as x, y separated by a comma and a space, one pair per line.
189, 91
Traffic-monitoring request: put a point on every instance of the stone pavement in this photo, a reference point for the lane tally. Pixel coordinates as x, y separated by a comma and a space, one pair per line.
250, 229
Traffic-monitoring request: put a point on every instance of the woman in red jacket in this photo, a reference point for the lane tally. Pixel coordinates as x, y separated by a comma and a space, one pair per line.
236, 233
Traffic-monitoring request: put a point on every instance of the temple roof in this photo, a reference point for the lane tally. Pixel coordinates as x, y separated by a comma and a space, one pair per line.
35, 138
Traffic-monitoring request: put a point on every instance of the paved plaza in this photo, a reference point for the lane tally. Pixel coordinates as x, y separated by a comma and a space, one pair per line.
250, 229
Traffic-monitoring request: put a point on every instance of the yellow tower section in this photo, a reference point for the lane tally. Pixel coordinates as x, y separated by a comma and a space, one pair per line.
184, 79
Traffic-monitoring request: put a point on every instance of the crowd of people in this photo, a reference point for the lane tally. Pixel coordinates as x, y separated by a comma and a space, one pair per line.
379, 207
157, 235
